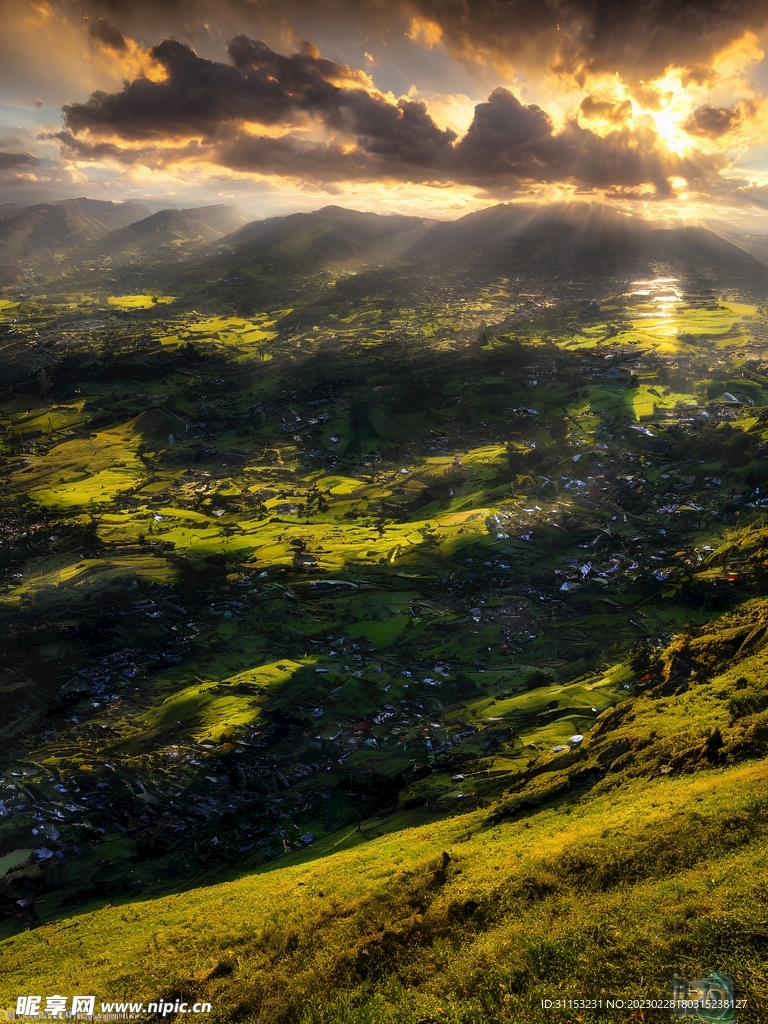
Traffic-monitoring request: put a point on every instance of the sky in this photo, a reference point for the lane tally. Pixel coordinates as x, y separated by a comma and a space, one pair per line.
428, 107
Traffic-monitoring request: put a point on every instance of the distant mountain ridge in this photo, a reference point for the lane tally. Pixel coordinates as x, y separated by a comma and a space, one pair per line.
273, 261
28, 229
211, 252
581, 243
168, 231
329, 236
45, 233
583, 240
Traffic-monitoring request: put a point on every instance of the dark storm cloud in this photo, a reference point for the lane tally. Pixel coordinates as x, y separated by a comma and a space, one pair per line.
404, 133
367, 136
294, 157
202, 96
211, 99
80, 149
507, 138
11, 160
107, 34
506, 134
638, 38
616, 113
508, 144
712, 122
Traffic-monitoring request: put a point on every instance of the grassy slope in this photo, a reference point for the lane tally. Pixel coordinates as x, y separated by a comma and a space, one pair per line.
603, 871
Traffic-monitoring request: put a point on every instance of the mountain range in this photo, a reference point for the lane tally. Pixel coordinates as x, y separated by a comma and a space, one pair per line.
46, 235
580, 239
210, 250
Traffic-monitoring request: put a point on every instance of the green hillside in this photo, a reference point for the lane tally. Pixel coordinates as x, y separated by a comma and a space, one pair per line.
37, 239
596, 874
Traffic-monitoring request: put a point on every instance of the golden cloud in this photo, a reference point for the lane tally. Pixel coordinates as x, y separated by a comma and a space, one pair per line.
424, 31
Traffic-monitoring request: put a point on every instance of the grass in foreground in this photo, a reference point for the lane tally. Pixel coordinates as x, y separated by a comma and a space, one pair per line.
600, 873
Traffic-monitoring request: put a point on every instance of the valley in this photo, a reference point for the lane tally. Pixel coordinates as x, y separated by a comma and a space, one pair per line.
339, 545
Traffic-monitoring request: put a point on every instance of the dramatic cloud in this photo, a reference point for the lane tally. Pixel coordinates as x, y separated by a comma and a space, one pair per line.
305, 116
208, 98
713, 122
12, 160
108, 34
615, 112
445, 100
637, 38
509, 138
